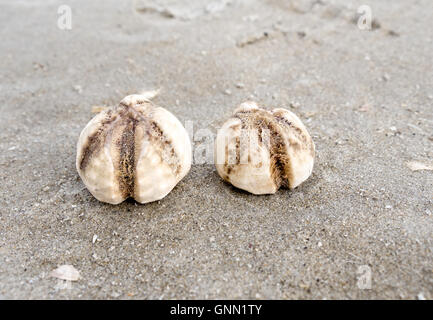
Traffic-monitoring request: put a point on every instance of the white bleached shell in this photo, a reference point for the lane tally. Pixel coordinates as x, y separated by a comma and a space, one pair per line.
133, 150
66, 272
260, 151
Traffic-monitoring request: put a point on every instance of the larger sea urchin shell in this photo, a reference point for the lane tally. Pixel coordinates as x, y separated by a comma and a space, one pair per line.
260, 151
133, 150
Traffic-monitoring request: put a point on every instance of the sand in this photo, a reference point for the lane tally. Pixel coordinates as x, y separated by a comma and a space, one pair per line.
360, 228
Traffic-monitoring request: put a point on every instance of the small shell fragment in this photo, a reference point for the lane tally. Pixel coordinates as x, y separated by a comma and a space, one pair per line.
417, 166
260, 151
66, 272
97, 109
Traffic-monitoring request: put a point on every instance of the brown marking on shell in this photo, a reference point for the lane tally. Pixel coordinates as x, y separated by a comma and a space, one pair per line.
166, 149
298, 131
260, 134
247, 112
95, 142
235, 126
279, 164
227, 168
127, 155
238, 150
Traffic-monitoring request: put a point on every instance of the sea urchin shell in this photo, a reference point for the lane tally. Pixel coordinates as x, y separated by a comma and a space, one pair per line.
260, 151
133, 150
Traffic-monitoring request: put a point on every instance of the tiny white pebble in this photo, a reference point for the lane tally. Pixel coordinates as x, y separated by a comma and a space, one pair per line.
95, 237
319, 244
212, 239
78, 88
388, 207
420, 296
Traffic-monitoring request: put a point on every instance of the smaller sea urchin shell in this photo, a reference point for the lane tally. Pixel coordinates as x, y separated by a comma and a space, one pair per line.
133, 150
260, 151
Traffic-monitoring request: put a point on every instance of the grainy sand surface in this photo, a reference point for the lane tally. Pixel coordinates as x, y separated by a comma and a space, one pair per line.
365, 96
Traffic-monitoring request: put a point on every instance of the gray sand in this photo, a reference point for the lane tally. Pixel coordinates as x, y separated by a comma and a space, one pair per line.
365, 96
